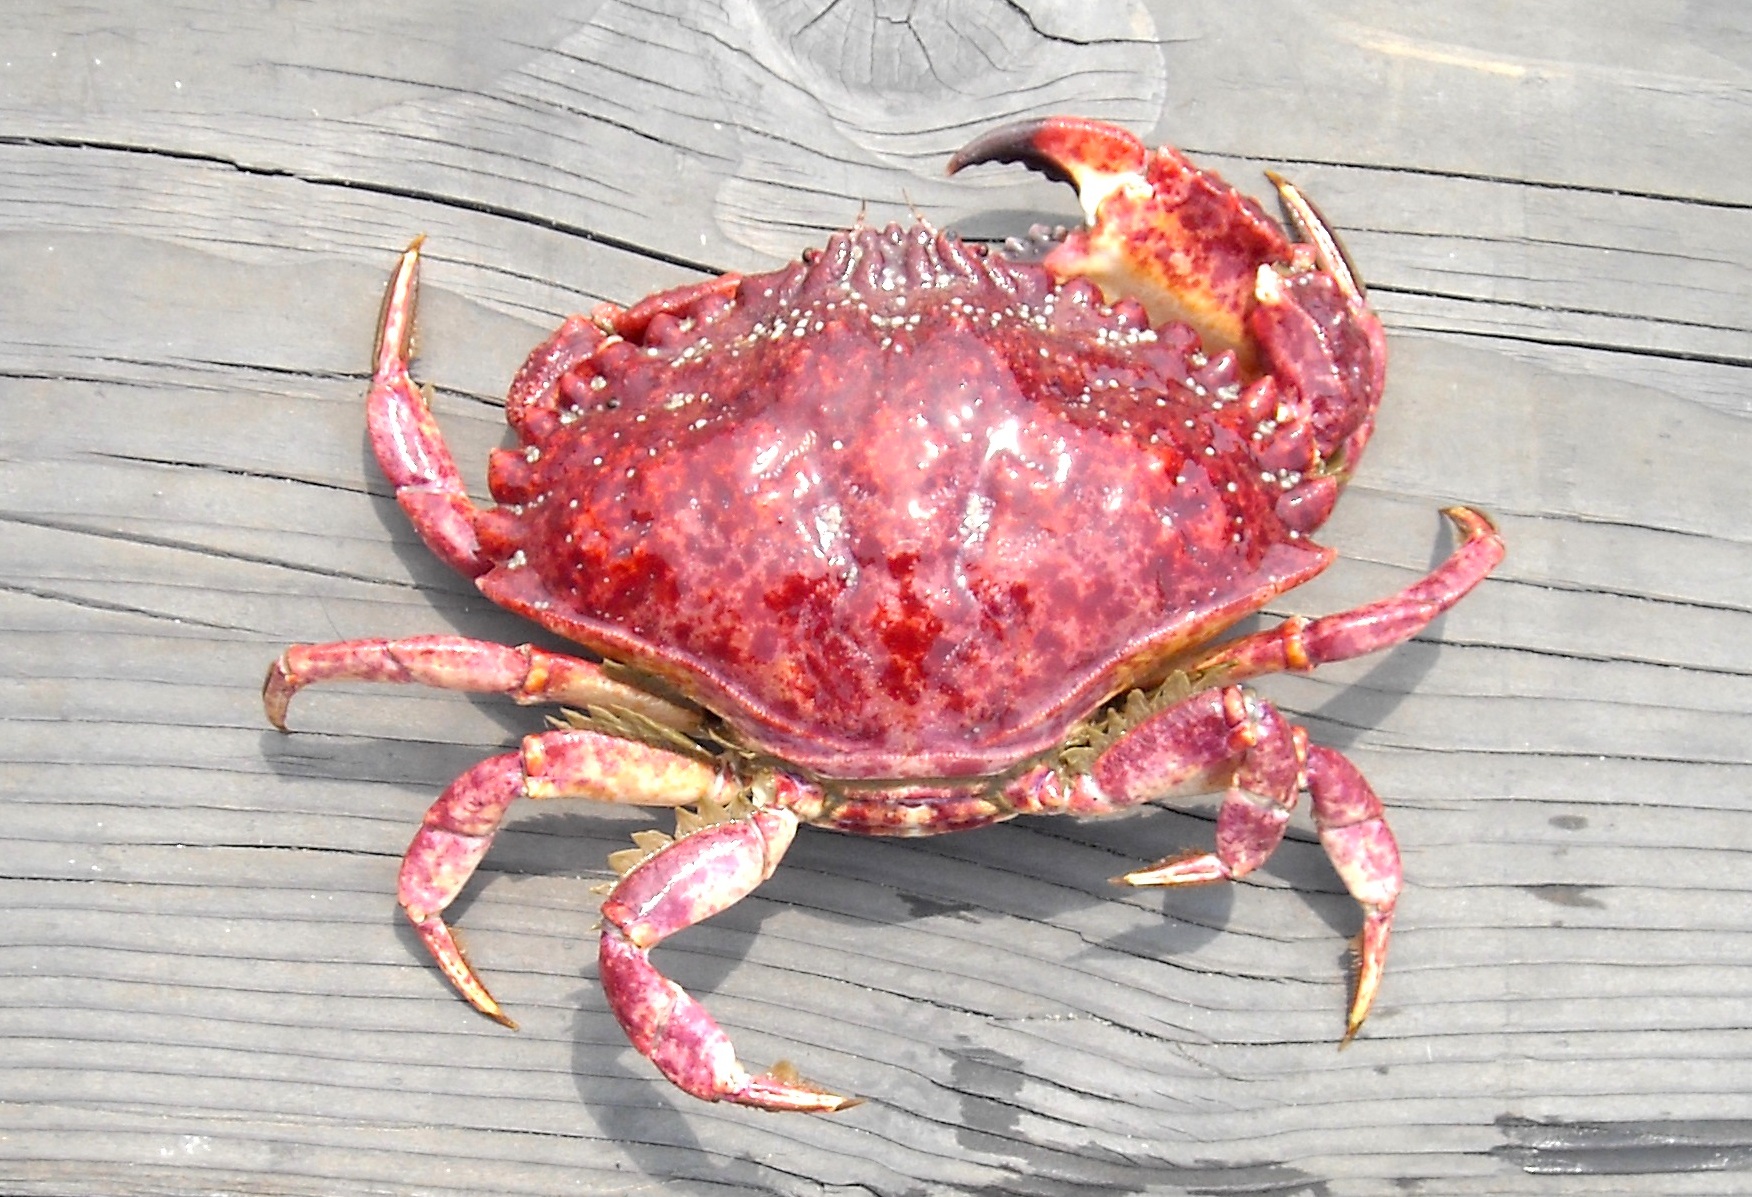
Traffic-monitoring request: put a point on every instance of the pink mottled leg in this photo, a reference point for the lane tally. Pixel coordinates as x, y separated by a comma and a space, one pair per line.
460, 825
455, 835
406, 440
1353, 829
1302, 644
526, 674
1227, 738
1256, 806
682, 884
1194, 746
1223, 739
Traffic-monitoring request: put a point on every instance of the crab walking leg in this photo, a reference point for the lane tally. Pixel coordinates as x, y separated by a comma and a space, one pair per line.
525, 674
1225, 739
1256, 806
1301, 644
1230, 738
1276, 762
459, 827
409, 447
690, 880
1353, 830
1207, 741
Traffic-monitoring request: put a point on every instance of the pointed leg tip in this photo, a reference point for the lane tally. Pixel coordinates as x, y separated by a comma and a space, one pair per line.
816, 1102
1355, 1017
783, 1088
407, 267
277, 691
1137, 879
1369, 951
796, 1096
447, 952
1192, 868
395, 322
1471, 521
476, 995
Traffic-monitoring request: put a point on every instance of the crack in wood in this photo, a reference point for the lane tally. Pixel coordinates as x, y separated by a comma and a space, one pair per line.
1484, 177
185, 546
230, 471
1556, 342
482, 207
1565, 309
91, 604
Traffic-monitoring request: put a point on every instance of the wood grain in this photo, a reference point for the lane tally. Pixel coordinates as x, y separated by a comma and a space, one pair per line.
204, 985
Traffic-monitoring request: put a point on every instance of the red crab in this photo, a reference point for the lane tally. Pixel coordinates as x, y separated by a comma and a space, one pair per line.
911, 537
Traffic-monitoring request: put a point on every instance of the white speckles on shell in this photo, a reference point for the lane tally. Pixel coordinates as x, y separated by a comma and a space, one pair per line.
876, 290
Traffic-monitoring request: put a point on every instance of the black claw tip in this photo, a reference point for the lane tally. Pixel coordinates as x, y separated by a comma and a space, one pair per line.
1015, 142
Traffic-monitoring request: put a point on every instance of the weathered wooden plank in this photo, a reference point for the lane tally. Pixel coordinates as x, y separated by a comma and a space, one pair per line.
203, 983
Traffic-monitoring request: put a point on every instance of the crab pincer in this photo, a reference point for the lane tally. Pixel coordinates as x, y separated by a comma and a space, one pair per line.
1191, 248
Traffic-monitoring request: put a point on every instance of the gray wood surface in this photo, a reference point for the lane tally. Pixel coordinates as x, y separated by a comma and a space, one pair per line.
204, 984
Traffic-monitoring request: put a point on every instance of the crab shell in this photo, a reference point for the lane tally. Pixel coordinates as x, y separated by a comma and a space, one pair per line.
902, 509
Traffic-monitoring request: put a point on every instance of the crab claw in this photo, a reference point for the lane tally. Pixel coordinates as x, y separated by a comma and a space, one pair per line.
680, 884
1192, 249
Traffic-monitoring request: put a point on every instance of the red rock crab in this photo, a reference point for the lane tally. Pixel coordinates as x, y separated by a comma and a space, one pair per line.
910, 537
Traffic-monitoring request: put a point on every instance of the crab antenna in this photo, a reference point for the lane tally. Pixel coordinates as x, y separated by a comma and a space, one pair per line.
918, 213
